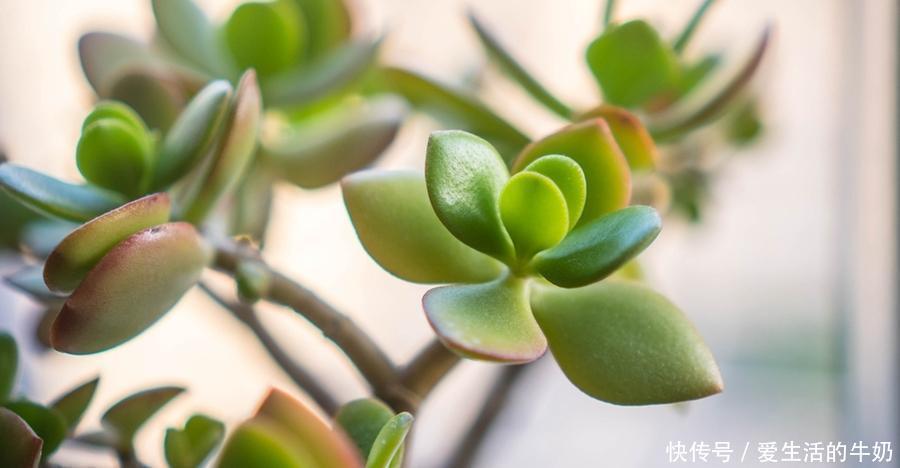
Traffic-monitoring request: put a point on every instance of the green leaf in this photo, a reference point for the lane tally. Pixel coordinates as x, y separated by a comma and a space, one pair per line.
187, 29
263, 443
534, 212
47, 423
133, 286
9, 363
696, 73
126, 417
489, 321
464, 175
83, 248
632, 137
328, 22
54, 197
362, 420
30, 280
266, 36
114, 155
253, 280
156, 94
389, 441
744, 125
229, 163
455, 109
632, 64
398, 228
116, 111
595, 250
688, 31
623, 343
252, 207
73, 404
320, 152
592, 145
189, 447
516, 71
41, 236
568, 177
193, 133
19, 446
103, 55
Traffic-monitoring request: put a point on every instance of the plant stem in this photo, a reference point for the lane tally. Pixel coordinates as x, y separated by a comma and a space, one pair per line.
685, 36
608, 12
301, 377
427, 368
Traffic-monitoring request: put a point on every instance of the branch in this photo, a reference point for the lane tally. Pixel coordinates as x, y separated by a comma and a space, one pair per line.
301, 377
427, 368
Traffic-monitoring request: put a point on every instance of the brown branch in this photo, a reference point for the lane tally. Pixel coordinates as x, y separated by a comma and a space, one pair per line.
427, 368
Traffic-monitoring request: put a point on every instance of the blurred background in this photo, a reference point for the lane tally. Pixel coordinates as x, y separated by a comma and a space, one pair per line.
791, 277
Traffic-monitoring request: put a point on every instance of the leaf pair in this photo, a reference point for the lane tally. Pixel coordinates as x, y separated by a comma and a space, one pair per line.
377, 432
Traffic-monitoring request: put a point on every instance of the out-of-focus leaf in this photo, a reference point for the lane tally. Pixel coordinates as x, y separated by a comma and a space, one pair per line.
651, 189
157, 95
632, 137
632, 64
397, 226
131, 287
362, 420
328, 22
744, 125
268, 37
45, 323
489, 321
229, 163
696, 73
679, 121
253, 280
682, 40
19, 446
592, 145
597, 249
86, 245
253, 205
264, 443
126, 417
455, 109
9, 363
103, 55
16, 221
189, 32
73, 404
116, 111
464, 175
193, 133
568, 176
327, 75
43, 235
623, 343
30, 280
48, 423
516, 71
320, 152
54, 197
534, 212
189, 447
389, 441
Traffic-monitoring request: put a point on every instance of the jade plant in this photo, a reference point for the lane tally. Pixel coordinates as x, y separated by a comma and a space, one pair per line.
531, 242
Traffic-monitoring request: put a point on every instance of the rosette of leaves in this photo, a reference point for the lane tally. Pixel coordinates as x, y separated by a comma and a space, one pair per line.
309, 63
637, 71
138, 249
524, 248
284, 433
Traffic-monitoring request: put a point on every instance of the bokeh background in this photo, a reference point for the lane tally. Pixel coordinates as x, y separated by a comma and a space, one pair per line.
791, 277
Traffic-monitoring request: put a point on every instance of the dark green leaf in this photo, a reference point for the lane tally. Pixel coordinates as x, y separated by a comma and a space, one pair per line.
268, 37
19, 446
54, 197
47, 423
73, 404
127, 416
187, 29
362, 420
389, 441
9, 363
189, 447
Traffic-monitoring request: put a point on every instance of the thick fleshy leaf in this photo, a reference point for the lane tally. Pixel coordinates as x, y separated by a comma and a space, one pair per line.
126, 417
253, 279
388, 444
67, 265
234, 154
73, 404
189, 32
328, 23
595, 250
464, 175
113, 154
326, 76
516, 71
157, 95
633, 138
103, 55
489, 321
54, 197
592, 145
534, 212
117, 111
362, 420
264, 443
632, 64
19, 446
623, 343
322, 151
193, 133
397, 226
189, 447
48, 423
252, 207
9, 363
131, 287
30, 280
455, 109
266, 36
330, 448
568, 176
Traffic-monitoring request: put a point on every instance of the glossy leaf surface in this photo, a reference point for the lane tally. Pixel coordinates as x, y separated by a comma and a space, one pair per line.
54, 197
114, 155
127, 416
190, 446
362, 420
388, 444
534, 212
73, 404
19, 446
